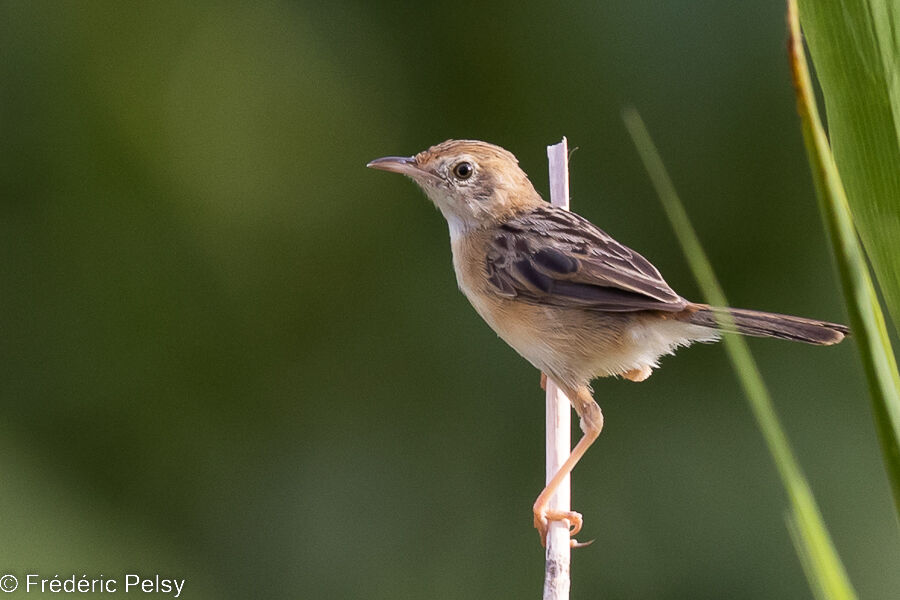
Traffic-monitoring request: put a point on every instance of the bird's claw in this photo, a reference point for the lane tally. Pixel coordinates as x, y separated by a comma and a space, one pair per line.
573, 519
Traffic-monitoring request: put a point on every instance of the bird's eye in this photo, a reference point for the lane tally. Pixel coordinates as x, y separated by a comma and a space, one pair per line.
463, 170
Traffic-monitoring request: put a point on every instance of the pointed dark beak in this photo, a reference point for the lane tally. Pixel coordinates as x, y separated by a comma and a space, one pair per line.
405, 165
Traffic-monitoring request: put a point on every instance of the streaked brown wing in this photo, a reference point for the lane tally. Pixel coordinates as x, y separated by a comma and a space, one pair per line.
554, 257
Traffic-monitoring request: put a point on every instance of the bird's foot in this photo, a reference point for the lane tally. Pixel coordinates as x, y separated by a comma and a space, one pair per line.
638, 374
542, 518
543, 381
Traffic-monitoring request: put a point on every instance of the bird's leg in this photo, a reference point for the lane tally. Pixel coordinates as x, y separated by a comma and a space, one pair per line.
591, 425
543, 381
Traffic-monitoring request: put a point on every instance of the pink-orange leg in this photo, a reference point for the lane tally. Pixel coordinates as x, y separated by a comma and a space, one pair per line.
592, 424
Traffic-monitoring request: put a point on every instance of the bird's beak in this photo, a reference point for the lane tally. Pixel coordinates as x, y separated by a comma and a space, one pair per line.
405, 165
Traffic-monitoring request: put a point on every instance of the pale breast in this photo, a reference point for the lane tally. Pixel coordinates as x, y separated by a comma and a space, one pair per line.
543, 335
513, 321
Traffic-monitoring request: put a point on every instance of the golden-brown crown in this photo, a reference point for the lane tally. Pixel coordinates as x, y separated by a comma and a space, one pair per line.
477, 149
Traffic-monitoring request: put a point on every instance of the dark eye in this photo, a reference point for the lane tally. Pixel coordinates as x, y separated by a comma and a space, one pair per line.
463, 170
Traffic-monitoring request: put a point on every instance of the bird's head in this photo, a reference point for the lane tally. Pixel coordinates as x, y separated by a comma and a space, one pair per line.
474, 184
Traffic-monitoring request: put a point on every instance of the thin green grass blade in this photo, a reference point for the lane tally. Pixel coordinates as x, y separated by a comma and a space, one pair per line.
866, 319
805, 559
819, 556
855, 47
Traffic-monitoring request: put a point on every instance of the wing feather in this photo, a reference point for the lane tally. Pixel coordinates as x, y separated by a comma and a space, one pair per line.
554, 257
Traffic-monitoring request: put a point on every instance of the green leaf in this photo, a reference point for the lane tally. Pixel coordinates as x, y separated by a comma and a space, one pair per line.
820, 560
855, 47
866, 319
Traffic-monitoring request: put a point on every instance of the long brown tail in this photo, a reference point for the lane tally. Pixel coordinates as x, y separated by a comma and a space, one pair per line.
763, 324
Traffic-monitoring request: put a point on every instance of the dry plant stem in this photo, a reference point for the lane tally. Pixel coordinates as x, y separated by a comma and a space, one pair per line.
557, 570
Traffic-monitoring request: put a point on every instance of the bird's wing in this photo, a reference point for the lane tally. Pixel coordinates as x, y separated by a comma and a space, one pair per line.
554, 257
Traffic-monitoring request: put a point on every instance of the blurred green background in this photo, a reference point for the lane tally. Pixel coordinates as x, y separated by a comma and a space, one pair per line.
232, 354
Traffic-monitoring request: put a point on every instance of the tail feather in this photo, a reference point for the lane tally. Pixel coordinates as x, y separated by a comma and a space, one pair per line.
763, 324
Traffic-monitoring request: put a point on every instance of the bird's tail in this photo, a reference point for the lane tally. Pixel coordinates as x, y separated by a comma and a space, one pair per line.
763, 324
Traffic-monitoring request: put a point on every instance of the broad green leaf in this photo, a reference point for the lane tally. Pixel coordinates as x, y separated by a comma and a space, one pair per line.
866, 319
855, 47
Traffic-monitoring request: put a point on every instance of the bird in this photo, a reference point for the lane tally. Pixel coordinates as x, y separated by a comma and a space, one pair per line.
564, 294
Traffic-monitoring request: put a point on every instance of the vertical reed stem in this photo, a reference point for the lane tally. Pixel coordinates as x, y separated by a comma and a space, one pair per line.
557, 571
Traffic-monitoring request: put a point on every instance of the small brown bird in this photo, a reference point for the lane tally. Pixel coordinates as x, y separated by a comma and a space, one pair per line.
566, 296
